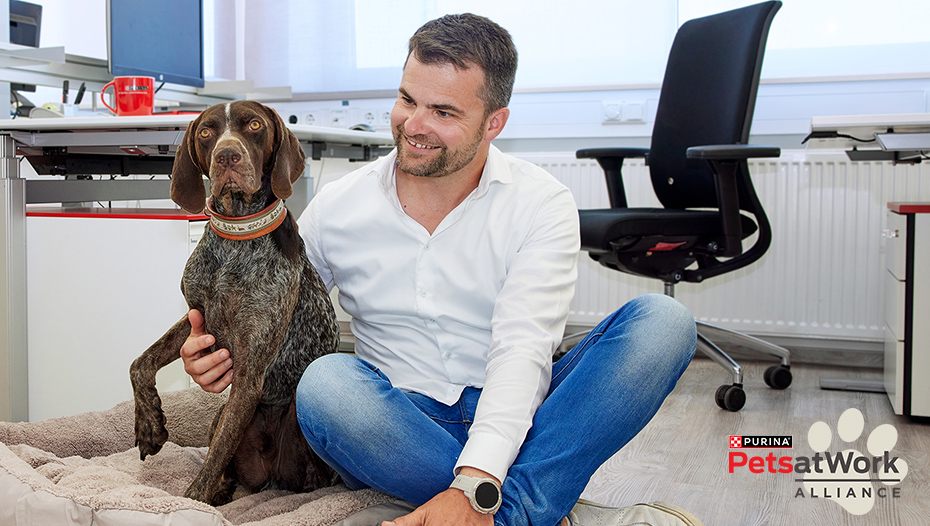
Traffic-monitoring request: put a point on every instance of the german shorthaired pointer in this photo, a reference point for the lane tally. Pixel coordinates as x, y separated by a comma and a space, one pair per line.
260, 297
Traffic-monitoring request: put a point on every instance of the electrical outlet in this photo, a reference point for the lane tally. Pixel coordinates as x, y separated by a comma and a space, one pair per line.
622, 112
611, 112
384, 118
370, 117
311, 118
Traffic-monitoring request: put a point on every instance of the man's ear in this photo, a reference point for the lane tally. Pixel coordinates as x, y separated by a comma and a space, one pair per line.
495, 124
187, 188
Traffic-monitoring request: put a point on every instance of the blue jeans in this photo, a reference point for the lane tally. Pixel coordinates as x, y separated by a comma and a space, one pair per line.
603, 392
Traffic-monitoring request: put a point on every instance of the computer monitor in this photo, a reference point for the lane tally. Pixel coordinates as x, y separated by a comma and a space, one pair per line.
25, 23
162, 39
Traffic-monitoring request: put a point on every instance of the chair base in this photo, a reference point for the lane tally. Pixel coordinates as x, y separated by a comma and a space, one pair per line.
732, 397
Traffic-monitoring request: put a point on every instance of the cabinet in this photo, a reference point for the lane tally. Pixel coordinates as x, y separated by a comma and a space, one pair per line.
102, 286
907, 308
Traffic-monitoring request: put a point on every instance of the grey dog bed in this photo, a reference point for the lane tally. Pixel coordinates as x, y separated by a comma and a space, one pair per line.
85, 469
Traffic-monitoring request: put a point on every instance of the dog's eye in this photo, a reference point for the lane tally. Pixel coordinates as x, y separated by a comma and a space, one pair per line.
205, 133
254, 125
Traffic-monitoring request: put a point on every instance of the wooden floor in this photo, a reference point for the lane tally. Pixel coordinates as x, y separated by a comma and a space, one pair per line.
681, 456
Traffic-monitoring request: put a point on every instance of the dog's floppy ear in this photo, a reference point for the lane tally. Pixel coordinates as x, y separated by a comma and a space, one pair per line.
287, 156
187, 188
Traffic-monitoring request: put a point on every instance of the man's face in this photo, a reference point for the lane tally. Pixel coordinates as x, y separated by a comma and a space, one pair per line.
438, 120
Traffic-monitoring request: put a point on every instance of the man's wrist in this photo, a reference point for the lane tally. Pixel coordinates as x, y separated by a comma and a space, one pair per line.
483, 492
478, 473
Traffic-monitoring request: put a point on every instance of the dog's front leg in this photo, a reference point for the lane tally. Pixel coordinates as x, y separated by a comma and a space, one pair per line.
244, 395
151, 433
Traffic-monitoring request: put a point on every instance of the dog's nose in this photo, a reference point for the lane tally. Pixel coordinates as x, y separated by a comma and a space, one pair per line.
227, 156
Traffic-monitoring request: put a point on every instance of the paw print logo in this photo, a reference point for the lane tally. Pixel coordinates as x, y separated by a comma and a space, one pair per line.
847, 477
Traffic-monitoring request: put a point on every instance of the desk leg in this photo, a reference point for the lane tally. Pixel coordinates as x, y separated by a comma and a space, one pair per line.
14, 388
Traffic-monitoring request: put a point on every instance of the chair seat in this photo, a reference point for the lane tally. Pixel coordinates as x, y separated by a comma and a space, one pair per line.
601, 227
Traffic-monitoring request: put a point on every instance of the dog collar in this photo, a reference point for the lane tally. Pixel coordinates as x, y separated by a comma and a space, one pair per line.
247, 227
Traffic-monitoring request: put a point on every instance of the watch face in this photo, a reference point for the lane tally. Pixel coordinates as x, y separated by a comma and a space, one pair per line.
487, 495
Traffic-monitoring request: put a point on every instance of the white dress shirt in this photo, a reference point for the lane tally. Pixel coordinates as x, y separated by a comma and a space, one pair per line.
481, 302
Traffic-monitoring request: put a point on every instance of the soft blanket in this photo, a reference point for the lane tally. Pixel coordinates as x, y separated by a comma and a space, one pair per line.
85, 469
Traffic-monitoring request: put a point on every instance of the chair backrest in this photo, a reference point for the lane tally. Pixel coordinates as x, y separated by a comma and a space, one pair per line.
708, 96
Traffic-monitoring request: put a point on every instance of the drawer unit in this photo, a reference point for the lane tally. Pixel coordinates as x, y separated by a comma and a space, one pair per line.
103, 285
907, 308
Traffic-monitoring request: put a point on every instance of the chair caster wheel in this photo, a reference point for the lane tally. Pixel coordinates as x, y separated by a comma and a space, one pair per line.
778, 376
731, 397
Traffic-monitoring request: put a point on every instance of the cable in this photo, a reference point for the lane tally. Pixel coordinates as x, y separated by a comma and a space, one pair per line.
834, 135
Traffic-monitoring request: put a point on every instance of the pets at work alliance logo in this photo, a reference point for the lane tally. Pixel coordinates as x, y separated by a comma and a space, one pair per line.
847, 477
851, 479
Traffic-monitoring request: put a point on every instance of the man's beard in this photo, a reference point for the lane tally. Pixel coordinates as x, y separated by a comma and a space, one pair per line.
447, 162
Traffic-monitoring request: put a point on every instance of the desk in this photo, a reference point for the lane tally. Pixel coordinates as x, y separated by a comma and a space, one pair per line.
900, 138
120, 145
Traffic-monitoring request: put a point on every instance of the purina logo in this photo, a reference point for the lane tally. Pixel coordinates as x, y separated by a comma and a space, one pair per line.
741, 441
845, 477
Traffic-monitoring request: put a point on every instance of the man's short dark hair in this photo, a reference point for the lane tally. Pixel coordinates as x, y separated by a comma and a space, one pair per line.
467, 39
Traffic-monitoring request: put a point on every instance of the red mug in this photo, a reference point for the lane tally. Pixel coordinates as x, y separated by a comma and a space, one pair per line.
132, 95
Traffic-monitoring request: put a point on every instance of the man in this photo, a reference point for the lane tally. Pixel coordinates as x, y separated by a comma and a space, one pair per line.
457, 264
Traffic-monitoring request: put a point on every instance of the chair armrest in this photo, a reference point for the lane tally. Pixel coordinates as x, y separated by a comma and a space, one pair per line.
611, 160
732, 152
621, 153
727, 162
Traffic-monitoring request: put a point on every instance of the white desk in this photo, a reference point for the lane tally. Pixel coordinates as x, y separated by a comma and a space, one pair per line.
895, 137
305, 134
898, 138
137, 144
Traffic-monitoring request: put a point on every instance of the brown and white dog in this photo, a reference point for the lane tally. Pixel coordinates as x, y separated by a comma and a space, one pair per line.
260, 297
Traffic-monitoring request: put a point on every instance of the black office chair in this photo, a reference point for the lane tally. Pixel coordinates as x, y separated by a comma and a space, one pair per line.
699, 171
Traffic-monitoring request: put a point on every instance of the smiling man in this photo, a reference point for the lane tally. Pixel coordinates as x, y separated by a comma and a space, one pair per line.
458, 264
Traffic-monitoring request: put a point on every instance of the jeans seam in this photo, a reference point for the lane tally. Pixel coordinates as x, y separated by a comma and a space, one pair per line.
589, 341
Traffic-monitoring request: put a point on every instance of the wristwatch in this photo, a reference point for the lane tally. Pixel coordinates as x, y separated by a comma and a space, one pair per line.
484, 494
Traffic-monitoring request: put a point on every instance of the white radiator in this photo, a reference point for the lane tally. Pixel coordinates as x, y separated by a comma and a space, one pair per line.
822, 275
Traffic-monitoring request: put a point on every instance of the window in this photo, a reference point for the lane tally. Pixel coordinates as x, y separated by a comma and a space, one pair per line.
360, 45
343, 46
830, 38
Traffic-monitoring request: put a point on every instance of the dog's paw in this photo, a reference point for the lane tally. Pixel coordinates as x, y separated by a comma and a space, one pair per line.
199, 490
151, 433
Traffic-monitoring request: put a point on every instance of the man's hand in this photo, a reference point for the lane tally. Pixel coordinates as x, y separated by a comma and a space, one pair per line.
451, 508
211, 371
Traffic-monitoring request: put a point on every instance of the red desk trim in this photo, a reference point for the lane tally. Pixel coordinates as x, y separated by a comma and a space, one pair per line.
910, 208
114, 213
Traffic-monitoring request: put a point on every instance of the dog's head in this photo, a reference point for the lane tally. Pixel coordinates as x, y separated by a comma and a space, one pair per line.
241, 147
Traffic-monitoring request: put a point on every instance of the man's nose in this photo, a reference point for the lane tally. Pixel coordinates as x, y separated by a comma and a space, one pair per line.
415, 122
